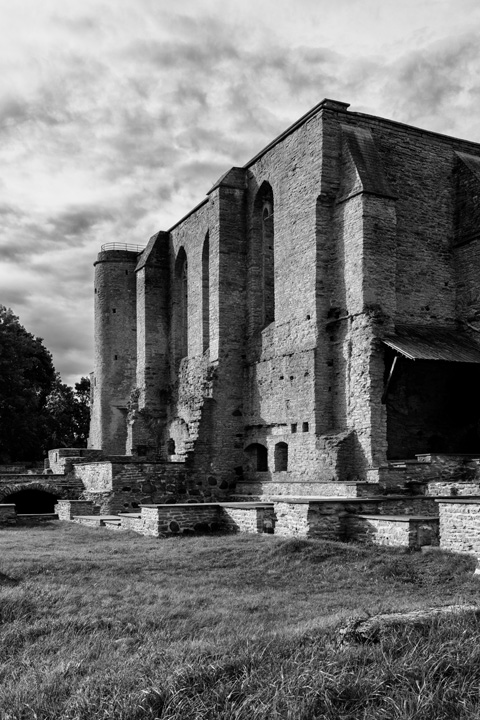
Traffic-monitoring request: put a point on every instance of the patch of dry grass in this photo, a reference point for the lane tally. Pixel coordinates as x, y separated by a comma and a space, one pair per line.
97, 624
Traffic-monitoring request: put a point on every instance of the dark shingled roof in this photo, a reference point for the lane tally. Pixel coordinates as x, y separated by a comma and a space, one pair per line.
434, 343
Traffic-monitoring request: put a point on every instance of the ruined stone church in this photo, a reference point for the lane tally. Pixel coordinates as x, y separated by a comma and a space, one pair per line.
312, 321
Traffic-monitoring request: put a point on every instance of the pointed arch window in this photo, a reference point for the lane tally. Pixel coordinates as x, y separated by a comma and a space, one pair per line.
206, 293
181, 304
268, 249
261, 262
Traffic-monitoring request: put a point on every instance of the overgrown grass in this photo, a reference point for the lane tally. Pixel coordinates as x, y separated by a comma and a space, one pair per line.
99, 625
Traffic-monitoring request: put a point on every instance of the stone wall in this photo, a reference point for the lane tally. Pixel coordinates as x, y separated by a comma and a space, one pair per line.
160, 520
66, 509
267, 488
407, 531
453, 488
8, 515
323, 521
460, 525
241, 517
61, 460
124, 486
115, 348
362, 216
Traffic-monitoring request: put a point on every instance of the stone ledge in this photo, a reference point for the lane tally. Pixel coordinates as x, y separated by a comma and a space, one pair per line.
399, 518
457, 499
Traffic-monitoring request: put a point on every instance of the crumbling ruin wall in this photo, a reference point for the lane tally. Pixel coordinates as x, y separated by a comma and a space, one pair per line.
124, 486
280, 372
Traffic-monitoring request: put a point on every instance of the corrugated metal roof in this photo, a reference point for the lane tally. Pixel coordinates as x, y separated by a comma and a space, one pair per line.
434, 343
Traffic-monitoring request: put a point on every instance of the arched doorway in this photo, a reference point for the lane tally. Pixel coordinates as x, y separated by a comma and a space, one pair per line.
32, 501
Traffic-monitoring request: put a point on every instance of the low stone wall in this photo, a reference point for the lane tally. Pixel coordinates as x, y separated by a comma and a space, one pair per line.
36, 519
436, 488
432, 467
93, 520
132, 522
61, 460
325, 519
395, 531
267, 489
24, 468
322, 520
460, 525
125, 485
8, 514
406, 505
66, 509
163, 520
244, 517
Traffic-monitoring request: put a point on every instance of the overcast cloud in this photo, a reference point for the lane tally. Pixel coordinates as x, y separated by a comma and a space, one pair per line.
116, 118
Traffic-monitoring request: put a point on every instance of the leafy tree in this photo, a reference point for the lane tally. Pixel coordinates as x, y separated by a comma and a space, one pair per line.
37, 411
68, 413
26, 379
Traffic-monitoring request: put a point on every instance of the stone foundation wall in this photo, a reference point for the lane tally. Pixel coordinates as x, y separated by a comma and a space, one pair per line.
132, 522
401, 532
124, 486
161, 520
66, 509
453, 488
430, 468
407, 505
460, 526
61, 460
8, 514
269, 488
247, 519
324, 521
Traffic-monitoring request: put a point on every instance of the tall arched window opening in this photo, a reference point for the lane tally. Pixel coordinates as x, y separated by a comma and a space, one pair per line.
261, 262
181, 303
268, 262
206, 293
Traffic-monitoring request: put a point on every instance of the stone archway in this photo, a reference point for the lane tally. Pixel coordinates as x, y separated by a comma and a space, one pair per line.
31, 498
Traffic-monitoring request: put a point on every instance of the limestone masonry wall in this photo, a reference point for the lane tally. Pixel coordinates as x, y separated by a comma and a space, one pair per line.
460, 526
246, 343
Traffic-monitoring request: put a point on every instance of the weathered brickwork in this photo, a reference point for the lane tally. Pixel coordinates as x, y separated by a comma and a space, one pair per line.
271, 488
460, 525
162, 520
8, 515
397, 531
243, 354
66, 509
323, 521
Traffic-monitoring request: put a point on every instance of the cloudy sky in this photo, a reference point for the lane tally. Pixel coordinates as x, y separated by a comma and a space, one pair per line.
117, 116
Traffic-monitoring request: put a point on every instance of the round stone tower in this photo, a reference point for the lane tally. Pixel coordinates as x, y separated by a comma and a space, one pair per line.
115, 345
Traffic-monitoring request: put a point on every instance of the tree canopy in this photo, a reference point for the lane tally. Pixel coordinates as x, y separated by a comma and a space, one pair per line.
37, 411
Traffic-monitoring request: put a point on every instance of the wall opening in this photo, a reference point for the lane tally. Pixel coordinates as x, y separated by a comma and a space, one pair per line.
206, 293
268, 261
32, 502
180, 328
261, 262
433, 406
281, 457
258, 457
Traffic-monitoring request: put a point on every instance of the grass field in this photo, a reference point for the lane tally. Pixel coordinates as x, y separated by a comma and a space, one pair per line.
102, 625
